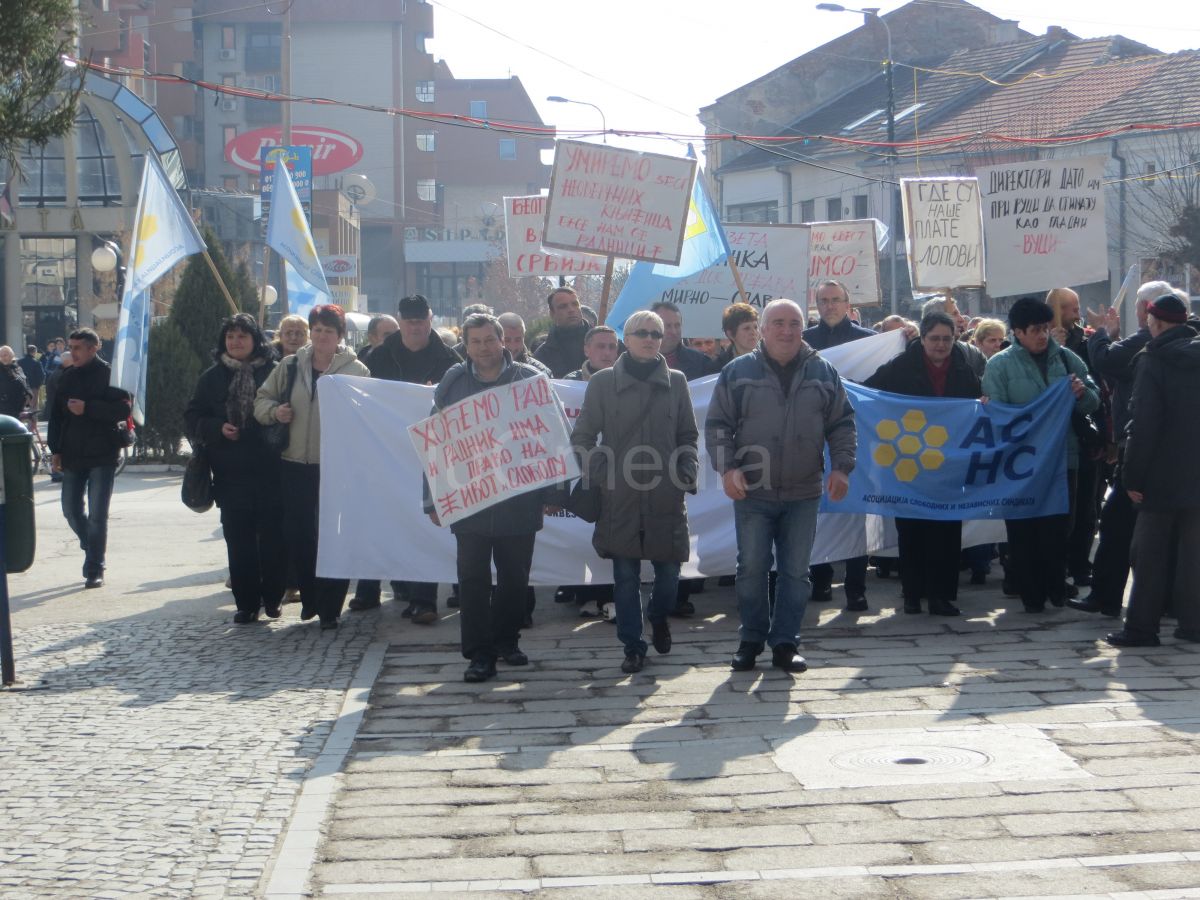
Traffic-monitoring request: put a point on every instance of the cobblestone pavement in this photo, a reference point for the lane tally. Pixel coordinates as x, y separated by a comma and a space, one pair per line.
998, 754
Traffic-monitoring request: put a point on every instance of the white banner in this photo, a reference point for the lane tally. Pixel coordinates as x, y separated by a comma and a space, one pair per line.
494, 445
523, 221
1044, 225
372, 524
944, 225
848, 252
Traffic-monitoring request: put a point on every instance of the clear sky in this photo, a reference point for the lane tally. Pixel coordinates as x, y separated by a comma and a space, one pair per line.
651, 64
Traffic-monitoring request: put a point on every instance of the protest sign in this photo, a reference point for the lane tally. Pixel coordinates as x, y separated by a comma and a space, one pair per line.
1043, 223
493, 445
617, 202
845, 251
523, 221
944, 225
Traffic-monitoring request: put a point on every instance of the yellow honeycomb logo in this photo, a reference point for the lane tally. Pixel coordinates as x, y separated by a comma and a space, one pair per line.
909, 446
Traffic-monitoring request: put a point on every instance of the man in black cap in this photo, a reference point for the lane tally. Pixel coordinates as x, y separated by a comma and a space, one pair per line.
416, 355
1162, 441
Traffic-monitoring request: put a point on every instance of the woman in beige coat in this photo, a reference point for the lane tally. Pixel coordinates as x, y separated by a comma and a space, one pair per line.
301, 469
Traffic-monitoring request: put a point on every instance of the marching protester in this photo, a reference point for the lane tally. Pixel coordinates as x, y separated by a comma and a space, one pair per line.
739, 321
35, 375
378, 330
600, 347
636, 438
709, 347
15, 393
514, 341
415, 355
773, 412
562, 351
1037, 547
290, 336
300, 468
504, 533
837, 328
934, 366
84, 443
692, 363
245, 470
989, 336
1162, 443
1113, 359
975, 358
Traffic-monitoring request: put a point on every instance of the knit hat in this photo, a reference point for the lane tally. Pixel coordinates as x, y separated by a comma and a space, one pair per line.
1168, 308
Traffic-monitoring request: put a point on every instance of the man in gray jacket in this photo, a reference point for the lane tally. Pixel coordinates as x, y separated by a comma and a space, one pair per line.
772, 413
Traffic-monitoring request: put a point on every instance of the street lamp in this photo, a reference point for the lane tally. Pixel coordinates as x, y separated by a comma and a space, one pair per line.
872, 14
107, 257
603, 121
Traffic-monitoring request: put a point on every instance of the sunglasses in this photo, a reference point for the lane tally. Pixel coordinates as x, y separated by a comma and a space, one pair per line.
643, 333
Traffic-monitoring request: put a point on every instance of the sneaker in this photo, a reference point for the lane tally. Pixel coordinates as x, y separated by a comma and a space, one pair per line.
609, 612
425, 616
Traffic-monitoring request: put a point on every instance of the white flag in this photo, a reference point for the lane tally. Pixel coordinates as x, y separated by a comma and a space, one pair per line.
288, 233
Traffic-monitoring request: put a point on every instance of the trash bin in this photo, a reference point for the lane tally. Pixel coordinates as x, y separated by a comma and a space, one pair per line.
20, 535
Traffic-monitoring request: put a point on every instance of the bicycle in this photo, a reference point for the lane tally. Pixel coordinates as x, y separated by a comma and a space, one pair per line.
40, 455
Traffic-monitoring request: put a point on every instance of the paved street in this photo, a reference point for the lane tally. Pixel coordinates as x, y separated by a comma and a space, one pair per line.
154, 749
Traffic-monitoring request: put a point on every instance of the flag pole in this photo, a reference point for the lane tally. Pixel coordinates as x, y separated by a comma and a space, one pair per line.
262, 291
737, 279
217, 275
608, 274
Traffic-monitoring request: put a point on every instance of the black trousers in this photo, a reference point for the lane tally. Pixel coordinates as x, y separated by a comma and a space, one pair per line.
929, 552
301, 517
1083, 526
1037, 555
1110, 570
1166, 570
419, 593
856, 576
491, 620
255, 545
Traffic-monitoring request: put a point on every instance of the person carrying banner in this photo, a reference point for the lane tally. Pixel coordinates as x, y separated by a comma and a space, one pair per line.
834, 329
934, 366
1037, 547
300, 478
504, 533
562, 351
1162, 440
636, 437
83, 440
1113, 358
773, 411
416, 355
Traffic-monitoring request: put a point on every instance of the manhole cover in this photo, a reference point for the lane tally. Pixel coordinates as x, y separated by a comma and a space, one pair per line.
922, 760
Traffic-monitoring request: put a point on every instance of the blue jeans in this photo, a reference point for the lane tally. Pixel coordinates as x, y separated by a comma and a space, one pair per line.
91, 527
783, 530
627, 598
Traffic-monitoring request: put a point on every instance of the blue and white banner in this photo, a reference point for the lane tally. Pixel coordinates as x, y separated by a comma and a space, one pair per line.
288, 233
937, 458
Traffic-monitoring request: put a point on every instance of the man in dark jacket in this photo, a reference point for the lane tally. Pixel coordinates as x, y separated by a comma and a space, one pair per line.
836, 328
514, 341
562, 351
378, 330
1160, 452
15, 394
416, 355
692, 363
490, 618
35, 375
84, 444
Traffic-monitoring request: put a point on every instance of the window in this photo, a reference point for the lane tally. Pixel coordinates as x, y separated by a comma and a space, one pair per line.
861, 206
833, 209
425, 91
764, 213
228, 37
228, 133
478, 109
808, 210
508, 148
427, 190
905, 112
421, 37
427, 141
1151, 173
864, 120
229, 80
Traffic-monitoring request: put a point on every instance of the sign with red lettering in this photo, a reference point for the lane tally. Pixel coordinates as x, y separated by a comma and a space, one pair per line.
494, 445
523, 221
332, 151
846, 252
617, 202
1044, 224
944, 225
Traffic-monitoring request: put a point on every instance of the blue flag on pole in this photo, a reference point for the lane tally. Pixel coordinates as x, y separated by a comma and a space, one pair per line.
163, 234
704, 245
301, 296
288, 233
938, 458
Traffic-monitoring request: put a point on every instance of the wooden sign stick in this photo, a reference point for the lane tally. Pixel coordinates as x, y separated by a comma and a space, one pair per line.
212, 266
602, 314
737, 279
262, 292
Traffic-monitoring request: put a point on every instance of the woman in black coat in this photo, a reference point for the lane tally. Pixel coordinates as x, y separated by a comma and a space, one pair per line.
245, 470
934, 366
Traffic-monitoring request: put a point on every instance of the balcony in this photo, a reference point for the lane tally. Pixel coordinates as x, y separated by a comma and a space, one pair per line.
263, 59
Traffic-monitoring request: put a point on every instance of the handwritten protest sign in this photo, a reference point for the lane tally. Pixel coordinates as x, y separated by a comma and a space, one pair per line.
494, 445
617, 202
944, 224
1043, 222
523, 221
845, 251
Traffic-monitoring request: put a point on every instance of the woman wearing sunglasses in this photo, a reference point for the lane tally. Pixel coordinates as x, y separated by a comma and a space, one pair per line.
636, 438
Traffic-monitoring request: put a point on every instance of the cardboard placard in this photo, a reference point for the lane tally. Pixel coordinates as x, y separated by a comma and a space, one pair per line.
524, 218
943, 221
845, 251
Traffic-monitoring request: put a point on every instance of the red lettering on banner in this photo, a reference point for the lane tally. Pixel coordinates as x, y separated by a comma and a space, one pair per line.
1040, 244
532, 449
531, 393
832, 266
528, 428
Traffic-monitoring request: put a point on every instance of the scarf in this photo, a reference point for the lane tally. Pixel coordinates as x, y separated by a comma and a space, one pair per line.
239, 402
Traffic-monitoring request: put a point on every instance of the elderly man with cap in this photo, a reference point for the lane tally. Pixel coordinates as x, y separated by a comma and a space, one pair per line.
1162, 442
416, 355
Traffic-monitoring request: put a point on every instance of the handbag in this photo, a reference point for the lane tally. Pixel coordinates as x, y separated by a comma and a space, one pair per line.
197, 489
277, 434
1091, 441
